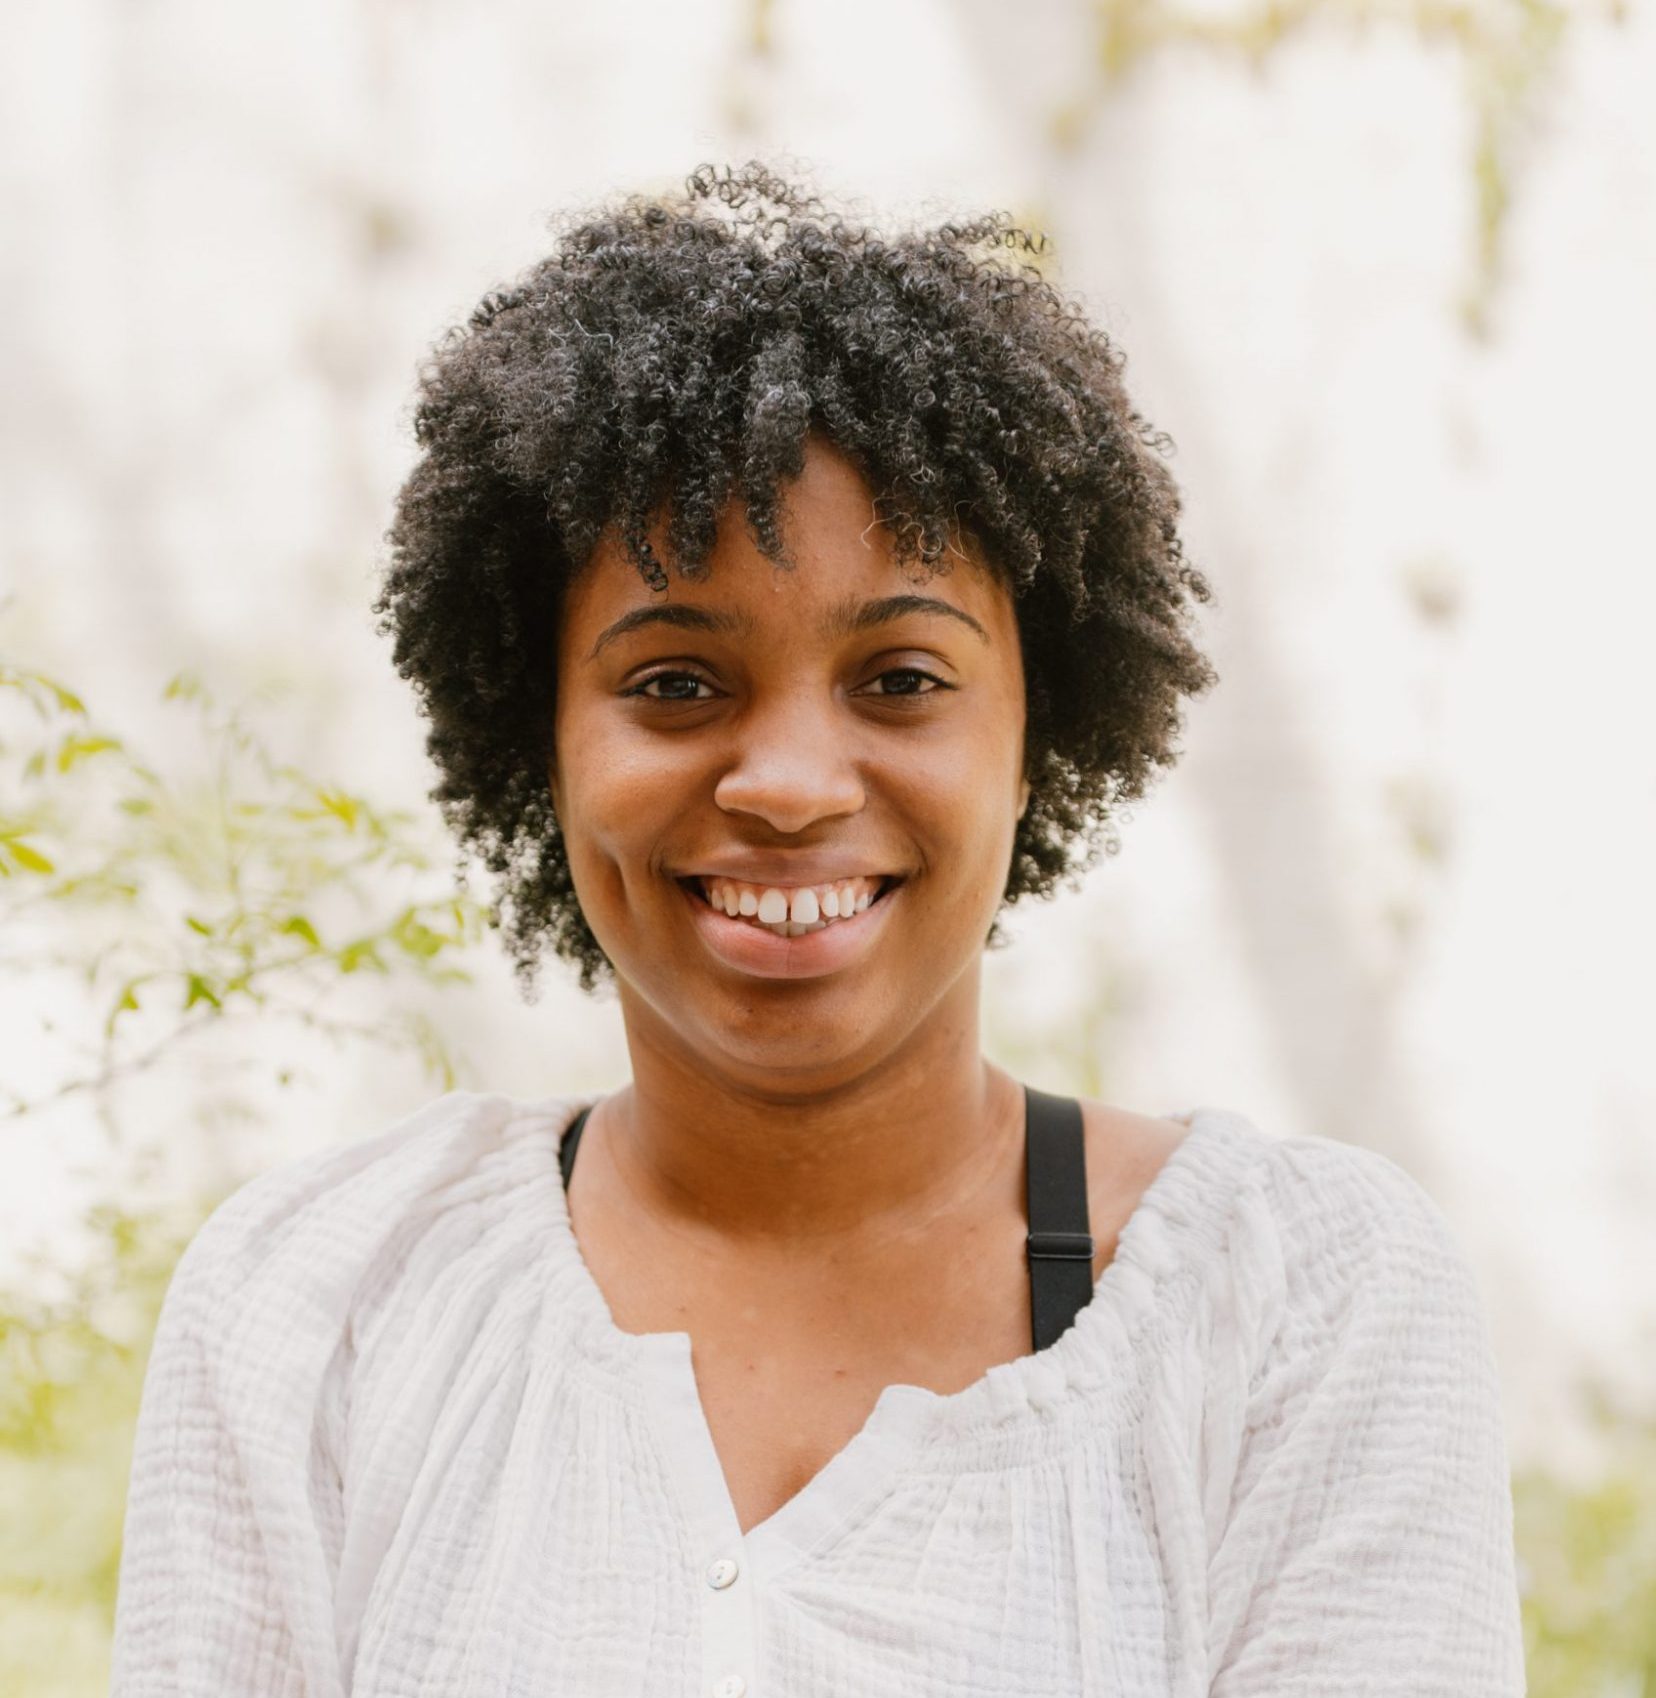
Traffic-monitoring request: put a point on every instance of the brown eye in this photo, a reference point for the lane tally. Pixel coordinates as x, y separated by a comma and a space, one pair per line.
673, 687
911, 681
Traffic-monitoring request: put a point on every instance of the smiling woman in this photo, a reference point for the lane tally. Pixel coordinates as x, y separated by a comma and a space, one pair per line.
787, 599
655, 385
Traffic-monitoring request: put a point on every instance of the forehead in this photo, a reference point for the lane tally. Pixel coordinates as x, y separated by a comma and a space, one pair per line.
828, 519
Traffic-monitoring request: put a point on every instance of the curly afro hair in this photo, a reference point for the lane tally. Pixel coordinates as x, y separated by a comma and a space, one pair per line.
678, 351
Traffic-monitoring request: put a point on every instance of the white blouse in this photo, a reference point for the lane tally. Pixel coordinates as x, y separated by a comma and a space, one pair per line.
393, 1444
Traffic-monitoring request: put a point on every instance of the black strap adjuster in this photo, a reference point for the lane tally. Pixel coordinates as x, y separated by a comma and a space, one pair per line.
1061, 1246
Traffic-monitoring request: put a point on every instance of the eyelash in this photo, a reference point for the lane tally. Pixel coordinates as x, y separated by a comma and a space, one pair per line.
639, 689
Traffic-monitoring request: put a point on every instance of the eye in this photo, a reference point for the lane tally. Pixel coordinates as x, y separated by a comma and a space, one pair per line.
909, 681
673, 688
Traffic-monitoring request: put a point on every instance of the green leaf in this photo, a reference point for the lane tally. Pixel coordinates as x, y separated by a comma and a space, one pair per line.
299, 926
343, 807
27, 857
75, 748
200, 991
362, 953
66, 698
124, 1002
25, 679
196, 925
415, 938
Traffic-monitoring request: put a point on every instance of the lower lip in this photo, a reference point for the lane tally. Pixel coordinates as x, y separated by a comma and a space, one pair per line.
749, 948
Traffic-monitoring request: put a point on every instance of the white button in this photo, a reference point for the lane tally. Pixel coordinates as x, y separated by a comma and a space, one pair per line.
721, 1573
732, 1686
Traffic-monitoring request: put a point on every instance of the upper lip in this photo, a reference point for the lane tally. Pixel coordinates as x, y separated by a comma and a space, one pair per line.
791, 873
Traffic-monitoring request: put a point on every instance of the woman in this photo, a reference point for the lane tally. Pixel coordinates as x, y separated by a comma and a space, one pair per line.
785, 599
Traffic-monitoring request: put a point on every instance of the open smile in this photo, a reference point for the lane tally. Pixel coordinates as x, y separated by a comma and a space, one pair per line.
788, 932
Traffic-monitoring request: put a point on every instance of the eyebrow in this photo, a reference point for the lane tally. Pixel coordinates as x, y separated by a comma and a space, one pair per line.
844, 620
852, 615
668, 613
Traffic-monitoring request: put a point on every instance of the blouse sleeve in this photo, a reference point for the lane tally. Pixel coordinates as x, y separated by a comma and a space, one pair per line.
232, 1531
1368, 1546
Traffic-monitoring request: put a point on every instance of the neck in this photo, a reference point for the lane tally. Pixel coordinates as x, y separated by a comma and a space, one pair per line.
729, 1158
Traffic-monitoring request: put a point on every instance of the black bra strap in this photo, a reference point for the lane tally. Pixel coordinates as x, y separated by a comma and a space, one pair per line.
572, 1142
1060, 1246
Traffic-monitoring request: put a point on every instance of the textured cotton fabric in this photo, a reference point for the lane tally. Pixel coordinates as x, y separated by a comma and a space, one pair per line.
392, 1444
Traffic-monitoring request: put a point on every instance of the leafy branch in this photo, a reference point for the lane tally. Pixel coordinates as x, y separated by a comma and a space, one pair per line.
190, 901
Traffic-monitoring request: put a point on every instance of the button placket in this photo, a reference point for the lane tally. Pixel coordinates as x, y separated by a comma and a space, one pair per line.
727, 1637
720, 1566
727, 1627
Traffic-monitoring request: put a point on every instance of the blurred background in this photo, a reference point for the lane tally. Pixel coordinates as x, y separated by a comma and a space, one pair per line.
1384, 272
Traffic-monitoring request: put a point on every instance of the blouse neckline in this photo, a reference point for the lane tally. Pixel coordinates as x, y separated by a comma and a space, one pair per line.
1179, 1214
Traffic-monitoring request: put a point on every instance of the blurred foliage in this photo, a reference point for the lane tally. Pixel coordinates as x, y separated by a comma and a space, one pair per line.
71, 1375
249, 892
176, 902
1588, 1555
1509, 52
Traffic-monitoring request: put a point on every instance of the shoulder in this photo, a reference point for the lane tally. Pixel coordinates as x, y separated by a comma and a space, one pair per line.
1126, 1143
1289, 1247
1354, 1261
1126, 1153
1344, 1212
1312, 1286
282, 1260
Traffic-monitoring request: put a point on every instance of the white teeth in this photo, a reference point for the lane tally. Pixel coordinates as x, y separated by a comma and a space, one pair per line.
791, 913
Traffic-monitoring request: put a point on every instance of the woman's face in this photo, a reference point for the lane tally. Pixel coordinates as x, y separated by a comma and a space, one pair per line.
833, 738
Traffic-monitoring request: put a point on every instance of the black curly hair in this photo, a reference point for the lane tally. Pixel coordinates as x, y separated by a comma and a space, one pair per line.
668, 351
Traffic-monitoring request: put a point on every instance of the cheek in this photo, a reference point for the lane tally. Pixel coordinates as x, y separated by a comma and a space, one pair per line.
961, 795
619, 792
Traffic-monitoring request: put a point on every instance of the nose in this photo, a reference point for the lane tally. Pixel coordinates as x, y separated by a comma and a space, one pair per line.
792, 767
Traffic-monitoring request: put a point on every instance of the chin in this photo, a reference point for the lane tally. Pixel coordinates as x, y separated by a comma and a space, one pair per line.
798, 1033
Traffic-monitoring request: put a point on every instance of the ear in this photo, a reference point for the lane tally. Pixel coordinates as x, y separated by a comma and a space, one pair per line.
1023, 798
